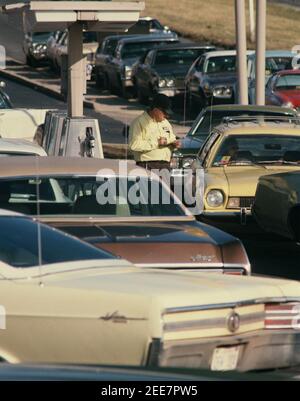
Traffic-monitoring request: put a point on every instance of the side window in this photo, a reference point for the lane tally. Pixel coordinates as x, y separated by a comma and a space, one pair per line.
206, 148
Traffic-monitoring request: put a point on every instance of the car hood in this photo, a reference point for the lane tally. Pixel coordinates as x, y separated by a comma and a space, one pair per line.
176, 71
192, 142
292, 96
221, 79
155, 243
242, 181
129, 61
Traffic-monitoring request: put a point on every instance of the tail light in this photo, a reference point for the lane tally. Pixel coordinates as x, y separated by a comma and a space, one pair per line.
282, 316
235, 272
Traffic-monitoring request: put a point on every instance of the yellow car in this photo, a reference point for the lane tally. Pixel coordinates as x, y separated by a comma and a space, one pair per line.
236, 155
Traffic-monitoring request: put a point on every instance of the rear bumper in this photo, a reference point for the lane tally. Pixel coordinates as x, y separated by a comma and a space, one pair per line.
260, 350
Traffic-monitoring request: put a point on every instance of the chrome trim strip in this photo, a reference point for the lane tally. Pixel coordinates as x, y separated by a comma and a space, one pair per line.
231, 305
193, 265
113, 219
212, 323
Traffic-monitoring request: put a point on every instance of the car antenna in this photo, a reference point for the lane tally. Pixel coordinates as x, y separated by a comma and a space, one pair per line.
211, 115
38, 214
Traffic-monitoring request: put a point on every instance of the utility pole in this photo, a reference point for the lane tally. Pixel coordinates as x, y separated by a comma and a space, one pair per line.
241, 35
261, 16
252, 21
76, 67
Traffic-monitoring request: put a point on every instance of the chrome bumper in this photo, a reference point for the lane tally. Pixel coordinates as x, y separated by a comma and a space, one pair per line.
260, 350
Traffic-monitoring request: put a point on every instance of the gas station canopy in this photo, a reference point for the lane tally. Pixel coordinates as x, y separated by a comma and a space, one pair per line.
104, 16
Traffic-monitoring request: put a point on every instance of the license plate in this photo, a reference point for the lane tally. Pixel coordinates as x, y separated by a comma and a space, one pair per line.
225, 358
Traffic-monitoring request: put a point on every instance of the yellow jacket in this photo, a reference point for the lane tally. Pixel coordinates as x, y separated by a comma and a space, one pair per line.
144, 134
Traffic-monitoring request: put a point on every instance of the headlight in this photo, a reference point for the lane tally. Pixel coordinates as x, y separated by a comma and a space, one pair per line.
289, 105
162, 83
170, 82
166, 82
222, 92
215, 198
127, 72
187, 162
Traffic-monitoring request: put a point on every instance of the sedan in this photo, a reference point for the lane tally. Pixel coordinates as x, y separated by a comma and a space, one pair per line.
163, 70
120, 208
65, 302
283, 89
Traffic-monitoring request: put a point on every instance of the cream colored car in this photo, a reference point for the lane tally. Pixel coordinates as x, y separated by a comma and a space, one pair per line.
20, 147
66, 302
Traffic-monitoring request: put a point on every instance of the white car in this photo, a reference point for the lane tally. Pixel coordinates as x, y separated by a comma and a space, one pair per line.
20, 147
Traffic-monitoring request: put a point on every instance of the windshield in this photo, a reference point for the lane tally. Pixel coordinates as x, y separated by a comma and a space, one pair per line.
288, 82
137, 50
258, 149
89, 37
220, 64
211, 119
41, 36
274, 64
96, 196
177, 57
19, 244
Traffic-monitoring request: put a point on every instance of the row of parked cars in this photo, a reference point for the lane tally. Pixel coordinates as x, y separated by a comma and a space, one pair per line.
143, 65
144, 283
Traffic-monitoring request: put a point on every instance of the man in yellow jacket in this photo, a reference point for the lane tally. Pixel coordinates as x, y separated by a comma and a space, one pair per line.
151, 137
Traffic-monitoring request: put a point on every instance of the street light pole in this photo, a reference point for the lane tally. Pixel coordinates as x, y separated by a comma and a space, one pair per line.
76, 67
241, 35
252, 21
261, 12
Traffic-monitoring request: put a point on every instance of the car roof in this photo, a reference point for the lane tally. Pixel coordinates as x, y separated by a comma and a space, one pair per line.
22, 166
20, 145
288, 72
152, 37
184, 46
258, 127
278, 53
220, 53
5, 213
252, 107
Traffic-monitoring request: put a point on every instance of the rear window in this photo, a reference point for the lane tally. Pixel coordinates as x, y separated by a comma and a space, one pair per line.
19, 244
